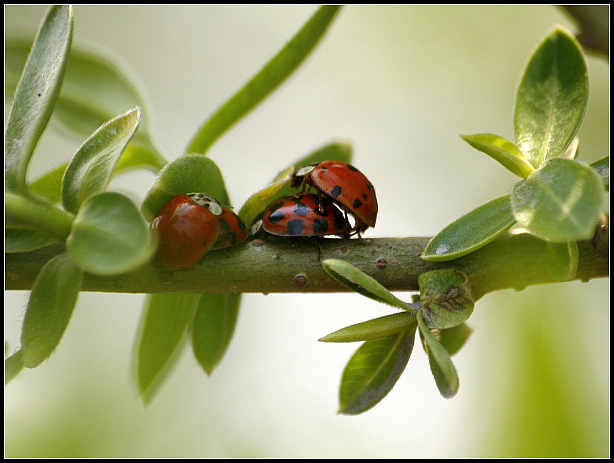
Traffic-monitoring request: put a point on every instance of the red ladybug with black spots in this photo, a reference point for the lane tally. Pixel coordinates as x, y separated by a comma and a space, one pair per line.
232, 231
345, 185
186, 230
304, 215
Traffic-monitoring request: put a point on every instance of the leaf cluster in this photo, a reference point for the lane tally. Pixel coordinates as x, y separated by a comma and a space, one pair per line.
558, 199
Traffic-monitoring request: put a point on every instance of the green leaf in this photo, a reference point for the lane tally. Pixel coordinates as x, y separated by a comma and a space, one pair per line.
559, 202
441, 365
191, 173
373, 329
23, 238
12, 367
267, 80
471, 231
373, 370
213, 326
49, 185
563, 260
36, 216
602, 167
52, 300
109, 236
89, 172
358, 281
446, 298
502, 151
164, 321
454, 339
36, 95
551, 98
95, 89
258, 202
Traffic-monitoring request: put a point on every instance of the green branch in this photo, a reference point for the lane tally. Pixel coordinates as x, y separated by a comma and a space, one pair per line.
292, 265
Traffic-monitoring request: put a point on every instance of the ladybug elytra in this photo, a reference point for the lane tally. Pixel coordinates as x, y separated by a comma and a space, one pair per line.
186, 230
345, 185
305, 215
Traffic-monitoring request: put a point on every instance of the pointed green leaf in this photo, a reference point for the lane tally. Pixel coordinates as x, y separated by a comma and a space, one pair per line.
441, 365
373, 370
358, 281
36, 95
471, 231
373, 329
258, 202
89, 172
95, 89
213, 326
12, 367
191, 173
446, 298
559, 202
52, 300
267, 80
502, 151
551, 98
563, 260
164, 321
109, 236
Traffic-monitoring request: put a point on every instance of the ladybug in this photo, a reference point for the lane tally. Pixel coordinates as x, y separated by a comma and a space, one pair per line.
232, 230
345, 185
304, 215
187, 231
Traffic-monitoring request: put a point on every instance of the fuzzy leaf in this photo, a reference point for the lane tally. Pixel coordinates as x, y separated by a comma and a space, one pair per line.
471, 231
373, 329
191, 173
95, 89
90, 170
373, 370
109, 236
213, 326
164, 321
36, 95
441, 365
52, 300
358, 281
559, 202
551, 99
446, 299
502, 151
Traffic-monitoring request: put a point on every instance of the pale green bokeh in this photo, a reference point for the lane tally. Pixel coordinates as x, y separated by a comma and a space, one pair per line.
401, 83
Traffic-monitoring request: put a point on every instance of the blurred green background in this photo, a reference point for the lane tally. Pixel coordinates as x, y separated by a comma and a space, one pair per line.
401, 83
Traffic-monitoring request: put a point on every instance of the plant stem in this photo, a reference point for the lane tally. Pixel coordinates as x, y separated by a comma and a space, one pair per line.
292, 265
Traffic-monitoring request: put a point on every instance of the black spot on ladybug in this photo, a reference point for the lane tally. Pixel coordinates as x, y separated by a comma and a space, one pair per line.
357, 203
351, 167
336, 191
301, 209
295, 227
276, 217
232, 237
224, 225
320, 226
